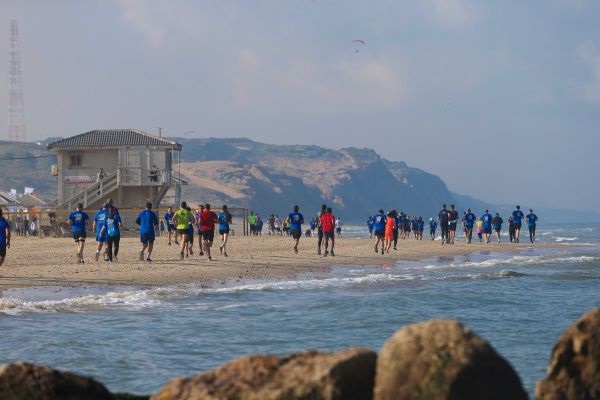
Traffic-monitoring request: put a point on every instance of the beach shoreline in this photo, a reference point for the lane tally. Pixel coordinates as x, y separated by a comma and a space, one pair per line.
52, 261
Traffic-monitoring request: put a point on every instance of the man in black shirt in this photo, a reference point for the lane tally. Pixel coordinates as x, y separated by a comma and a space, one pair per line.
443, 218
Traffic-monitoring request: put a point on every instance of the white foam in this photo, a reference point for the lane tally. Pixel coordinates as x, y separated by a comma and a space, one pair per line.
564, 239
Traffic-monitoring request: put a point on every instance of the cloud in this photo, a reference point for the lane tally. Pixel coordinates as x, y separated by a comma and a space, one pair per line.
136, 12
312, 85
453, 13
588, 53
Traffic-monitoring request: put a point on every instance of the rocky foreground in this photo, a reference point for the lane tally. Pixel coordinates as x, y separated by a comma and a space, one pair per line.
438, 359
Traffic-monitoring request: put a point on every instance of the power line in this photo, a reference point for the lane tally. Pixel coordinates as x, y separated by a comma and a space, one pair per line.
27, 158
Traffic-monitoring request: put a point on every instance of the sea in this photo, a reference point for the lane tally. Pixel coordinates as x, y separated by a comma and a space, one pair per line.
135, 339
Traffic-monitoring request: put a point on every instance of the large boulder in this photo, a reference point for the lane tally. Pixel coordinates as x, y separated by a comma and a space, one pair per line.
574, 369
441, 359
24, 381
348, 374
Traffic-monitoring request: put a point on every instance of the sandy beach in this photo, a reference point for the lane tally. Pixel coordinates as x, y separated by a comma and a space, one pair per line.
52, 261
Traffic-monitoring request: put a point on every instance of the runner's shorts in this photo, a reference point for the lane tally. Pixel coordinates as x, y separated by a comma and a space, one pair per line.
79, 235
147, 237
208, 235
296, 233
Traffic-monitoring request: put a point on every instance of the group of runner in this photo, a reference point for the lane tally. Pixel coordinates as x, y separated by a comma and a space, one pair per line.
387, 228
484, 225
107, 226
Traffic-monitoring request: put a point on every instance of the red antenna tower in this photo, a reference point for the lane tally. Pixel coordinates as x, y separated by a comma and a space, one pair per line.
16, 110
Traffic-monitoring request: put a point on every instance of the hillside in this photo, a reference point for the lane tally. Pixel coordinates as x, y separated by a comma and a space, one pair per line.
270, 178
27, 164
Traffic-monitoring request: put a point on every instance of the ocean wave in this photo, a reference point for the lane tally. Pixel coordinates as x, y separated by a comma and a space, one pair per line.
526, 260
564, 239
133, 299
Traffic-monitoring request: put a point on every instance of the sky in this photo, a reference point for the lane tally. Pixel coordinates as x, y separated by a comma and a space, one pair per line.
501, 99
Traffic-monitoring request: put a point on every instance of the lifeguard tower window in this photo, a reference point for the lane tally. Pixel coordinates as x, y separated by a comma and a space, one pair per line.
75, 160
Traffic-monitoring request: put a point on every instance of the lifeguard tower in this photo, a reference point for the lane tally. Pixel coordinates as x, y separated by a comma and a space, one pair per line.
127, 165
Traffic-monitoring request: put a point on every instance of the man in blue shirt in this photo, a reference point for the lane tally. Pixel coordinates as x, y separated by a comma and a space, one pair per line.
296, 221
99, 222
432, 228
379, 221
468, 220
168, 217
517, 216
531, 220
225, 219
77, 219
487, 218
147, 220
4, 237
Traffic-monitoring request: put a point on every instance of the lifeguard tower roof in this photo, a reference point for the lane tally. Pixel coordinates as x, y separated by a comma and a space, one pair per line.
112, 138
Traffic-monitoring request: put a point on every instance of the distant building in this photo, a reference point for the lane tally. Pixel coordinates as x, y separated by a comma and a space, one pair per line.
127, 165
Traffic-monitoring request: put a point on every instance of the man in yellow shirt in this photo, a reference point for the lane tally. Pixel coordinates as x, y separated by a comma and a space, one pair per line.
182, 218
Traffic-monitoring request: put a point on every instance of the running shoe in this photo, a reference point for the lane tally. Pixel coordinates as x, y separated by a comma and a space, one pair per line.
148, 259
332, 253
225, 254
376, 249
296, 250
209, 258
201, 253
97, 255
141, 256
169, 243
325, 254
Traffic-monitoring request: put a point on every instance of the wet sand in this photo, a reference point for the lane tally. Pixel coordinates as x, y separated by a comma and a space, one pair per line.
52, 261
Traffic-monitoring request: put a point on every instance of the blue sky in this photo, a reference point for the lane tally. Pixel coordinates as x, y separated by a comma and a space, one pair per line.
499, 98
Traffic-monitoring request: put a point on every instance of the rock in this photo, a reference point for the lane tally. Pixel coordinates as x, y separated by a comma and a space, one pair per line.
348, 375
24, 381
574, 369
441, 359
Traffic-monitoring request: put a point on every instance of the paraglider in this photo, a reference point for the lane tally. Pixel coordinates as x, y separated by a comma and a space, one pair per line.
358, 43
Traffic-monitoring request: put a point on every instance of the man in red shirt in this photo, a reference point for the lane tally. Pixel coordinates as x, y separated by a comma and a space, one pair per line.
328, 224
208, 220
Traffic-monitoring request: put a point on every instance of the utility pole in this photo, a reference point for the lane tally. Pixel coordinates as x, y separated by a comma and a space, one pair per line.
16, 110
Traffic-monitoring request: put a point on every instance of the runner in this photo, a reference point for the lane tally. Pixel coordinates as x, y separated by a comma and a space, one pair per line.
181, 219
511, 229
379, 224
99, 221
390, 225
77, 219
517, 216
252, 223
479, 227
487, 218
443, 218
147, 220
189, 250
4, 237
420, 227
338, 227
468, 220
328, 223
398, 218
370, 226
224, 221
113, 229
320, 228
531, 223
452, 222
497, 224
168, 217
199, 227
432, 228
296, 221
209, 219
